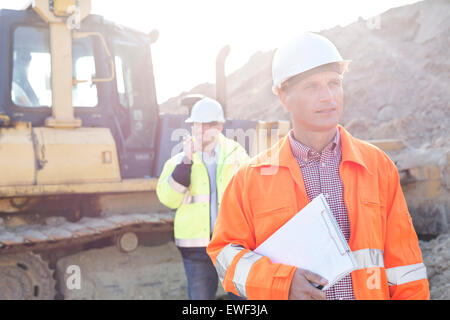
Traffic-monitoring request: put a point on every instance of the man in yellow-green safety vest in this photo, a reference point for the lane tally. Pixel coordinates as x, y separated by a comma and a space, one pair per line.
192, 182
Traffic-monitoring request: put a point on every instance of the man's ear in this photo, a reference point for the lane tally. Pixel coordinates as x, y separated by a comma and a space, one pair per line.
283, 96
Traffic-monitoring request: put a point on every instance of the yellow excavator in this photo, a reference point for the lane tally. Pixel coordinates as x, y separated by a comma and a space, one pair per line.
82, 141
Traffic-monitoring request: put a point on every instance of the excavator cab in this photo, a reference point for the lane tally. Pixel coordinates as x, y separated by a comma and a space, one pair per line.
126, 104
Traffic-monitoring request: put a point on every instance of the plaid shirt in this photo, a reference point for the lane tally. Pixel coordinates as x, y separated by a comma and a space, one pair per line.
321, 175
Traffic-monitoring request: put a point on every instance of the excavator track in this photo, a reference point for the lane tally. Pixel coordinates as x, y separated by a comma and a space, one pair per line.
57, 232
26, 276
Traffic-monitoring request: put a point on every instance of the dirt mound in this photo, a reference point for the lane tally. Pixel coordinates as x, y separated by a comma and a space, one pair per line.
396, 85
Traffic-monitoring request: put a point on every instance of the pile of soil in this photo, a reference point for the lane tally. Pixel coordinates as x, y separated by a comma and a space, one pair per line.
396, 86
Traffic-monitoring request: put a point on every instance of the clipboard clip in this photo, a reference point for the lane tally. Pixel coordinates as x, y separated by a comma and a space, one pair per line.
341, 248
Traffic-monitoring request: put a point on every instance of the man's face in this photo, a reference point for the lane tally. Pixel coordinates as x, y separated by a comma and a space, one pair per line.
206, 133
316, 102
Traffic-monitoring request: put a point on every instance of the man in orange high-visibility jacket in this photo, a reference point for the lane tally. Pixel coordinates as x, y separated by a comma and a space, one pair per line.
318, 156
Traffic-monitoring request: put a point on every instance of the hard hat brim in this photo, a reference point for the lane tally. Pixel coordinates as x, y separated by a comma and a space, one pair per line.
343, 64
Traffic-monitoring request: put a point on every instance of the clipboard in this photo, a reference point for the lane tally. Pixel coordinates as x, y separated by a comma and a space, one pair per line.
312, 240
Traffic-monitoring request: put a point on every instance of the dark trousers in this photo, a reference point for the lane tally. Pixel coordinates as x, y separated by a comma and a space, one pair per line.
201, 274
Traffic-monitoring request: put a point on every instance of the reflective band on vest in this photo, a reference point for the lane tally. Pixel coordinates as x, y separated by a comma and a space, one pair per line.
367, 258
242, 270
196, 242
175, 185
404, 274
199, 198
225, 258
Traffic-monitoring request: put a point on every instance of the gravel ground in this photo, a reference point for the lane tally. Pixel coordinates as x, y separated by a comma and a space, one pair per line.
436, 256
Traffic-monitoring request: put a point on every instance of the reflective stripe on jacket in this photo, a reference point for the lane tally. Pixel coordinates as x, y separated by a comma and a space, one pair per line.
192, 219
269, 190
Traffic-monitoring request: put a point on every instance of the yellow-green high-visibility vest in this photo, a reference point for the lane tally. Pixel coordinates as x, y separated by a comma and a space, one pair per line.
192, 218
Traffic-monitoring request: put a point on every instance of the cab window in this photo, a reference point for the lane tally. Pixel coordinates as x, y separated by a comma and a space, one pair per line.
31, 78
84, 94
31, 68
130, 74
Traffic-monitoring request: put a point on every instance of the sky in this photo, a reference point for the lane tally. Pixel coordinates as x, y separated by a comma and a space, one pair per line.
191, 33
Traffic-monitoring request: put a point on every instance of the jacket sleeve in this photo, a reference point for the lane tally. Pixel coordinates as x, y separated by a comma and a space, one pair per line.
240, 270
169, 191
405, 270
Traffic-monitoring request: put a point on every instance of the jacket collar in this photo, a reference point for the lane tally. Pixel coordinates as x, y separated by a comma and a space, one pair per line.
351, 149
226, 147
281, 153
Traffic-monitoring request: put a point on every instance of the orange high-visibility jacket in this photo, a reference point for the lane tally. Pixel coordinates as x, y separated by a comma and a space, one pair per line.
269, 190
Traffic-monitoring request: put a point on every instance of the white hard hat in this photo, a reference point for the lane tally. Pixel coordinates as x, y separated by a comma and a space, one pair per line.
305, 52
206, 110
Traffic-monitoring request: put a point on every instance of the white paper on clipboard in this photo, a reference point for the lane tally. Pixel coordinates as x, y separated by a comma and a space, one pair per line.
312, 240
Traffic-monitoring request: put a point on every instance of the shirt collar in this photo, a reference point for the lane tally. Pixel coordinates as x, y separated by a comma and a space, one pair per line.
304, 153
